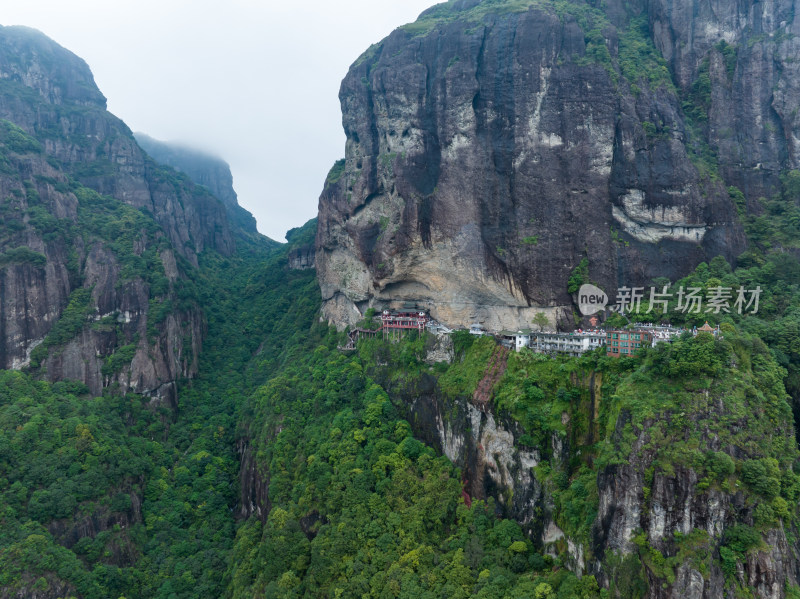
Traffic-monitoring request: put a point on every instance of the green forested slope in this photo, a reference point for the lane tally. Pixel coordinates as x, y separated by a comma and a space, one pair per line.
117, 496
103, 497
360, 508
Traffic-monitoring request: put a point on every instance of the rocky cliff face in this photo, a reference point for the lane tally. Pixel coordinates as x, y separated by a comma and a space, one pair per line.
302, 254
488, 447
654, 504
50, 93
302, 258
203, 169
492, 146
483, 445
99, 242
668, 504
740, 61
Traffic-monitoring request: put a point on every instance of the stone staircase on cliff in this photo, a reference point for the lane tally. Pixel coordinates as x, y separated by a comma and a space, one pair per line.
494, 370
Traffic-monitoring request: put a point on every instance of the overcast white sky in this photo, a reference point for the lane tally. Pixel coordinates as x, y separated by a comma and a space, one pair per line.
255, 83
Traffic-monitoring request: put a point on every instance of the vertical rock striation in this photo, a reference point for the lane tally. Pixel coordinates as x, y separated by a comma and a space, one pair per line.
493, 145
99, 242
203, 169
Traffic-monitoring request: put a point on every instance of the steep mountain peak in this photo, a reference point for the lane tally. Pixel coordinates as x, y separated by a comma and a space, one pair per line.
101, 243
494, 146
204, 169
30, 58
171, 150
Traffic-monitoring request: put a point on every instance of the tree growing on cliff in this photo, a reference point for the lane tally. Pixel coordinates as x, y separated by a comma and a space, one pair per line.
540, 320
579, 276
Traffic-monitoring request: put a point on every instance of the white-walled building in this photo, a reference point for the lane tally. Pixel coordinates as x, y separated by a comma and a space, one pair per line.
573, 344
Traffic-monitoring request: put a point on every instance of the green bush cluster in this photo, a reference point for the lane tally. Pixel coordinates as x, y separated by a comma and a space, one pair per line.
762, 476
121, 358
639, 60
737, 541
22, 255
15, 140
70, 323
578, 276
336, 172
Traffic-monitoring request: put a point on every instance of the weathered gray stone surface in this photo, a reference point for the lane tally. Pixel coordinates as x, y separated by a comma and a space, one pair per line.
50, 94
486, 445
486, 155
